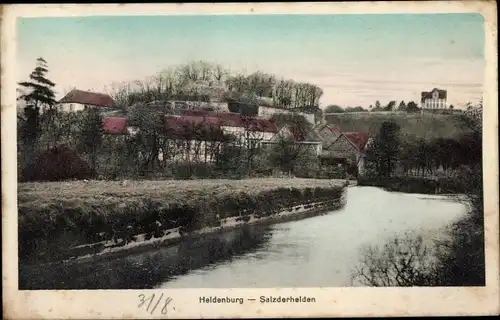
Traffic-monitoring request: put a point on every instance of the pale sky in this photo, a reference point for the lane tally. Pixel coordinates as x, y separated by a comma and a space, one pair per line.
355, 58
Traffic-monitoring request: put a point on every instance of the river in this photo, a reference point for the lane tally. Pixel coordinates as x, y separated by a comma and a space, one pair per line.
318, 251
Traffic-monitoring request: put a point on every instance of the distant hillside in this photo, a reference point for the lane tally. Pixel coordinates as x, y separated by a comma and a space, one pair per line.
427, 126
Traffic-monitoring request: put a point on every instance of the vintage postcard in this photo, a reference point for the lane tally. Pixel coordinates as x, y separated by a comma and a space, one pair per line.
250, 160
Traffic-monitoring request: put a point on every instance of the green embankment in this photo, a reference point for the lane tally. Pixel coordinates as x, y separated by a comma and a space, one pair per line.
427, 125
54, 217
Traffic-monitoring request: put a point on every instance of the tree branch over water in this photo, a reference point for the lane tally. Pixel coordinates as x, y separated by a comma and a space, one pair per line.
404, 261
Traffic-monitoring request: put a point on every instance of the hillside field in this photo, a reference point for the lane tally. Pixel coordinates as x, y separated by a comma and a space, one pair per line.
426, 126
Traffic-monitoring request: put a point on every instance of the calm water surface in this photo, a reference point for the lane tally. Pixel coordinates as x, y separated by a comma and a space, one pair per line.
318, 251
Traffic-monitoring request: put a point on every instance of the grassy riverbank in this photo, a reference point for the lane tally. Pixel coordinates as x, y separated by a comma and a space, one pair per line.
60, 215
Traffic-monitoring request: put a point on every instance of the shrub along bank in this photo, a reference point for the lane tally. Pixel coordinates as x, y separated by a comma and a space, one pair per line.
415, 184
46, 231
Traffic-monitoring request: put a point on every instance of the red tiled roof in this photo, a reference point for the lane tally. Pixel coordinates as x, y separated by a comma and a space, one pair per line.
192, 127
198, 120
198, 113
359, 139
334, 130
187, 126
261, 125
115, 125
232, 120
236, 120
88, 98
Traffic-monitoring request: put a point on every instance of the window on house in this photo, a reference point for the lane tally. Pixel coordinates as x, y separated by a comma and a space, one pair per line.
71, 107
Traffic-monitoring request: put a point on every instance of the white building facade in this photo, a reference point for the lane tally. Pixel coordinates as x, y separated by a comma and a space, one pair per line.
79, 100
71, 107
434, 99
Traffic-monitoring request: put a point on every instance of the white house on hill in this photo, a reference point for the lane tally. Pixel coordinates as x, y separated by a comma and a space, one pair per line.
78, 100
434, 99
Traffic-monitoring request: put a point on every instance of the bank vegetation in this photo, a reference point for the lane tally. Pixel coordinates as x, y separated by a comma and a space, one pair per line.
54, 217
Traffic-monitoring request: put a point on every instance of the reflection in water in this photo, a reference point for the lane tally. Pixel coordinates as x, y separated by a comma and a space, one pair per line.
313, 252
145, 270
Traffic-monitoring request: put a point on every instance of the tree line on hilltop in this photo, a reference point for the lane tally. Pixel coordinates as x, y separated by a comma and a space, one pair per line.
203, 81
52, 135
410, 107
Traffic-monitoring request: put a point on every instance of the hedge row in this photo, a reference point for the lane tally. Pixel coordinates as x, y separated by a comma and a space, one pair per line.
45, 230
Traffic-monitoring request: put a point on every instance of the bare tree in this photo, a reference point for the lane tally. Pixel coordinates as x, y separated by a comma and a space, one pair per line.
120, 92
219, 73
283, 93
404, 261
205, 70
251, 139
149, 138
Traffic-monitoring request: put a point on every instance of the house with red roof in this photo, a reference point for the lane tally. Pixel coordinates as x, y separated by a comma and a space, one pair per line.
308, 139
192, 138
78, 100
193, 128
115, 125
202, 133
118, 126
198, 136
348, 148
240, 126
328, 133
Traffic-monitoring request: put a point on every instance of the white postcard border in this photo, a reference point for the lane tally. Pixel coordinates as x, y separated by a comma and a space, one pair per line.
185, 302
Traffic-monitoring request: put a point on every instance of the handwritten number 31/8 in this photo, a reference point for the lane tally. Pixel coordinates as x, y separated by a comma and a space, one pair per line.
152, 304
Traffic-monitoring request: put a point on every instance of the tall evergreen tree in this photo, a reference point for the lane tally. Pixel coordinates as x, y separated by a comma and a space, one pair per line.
390, 106
38, 94
39, 91
402, 106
